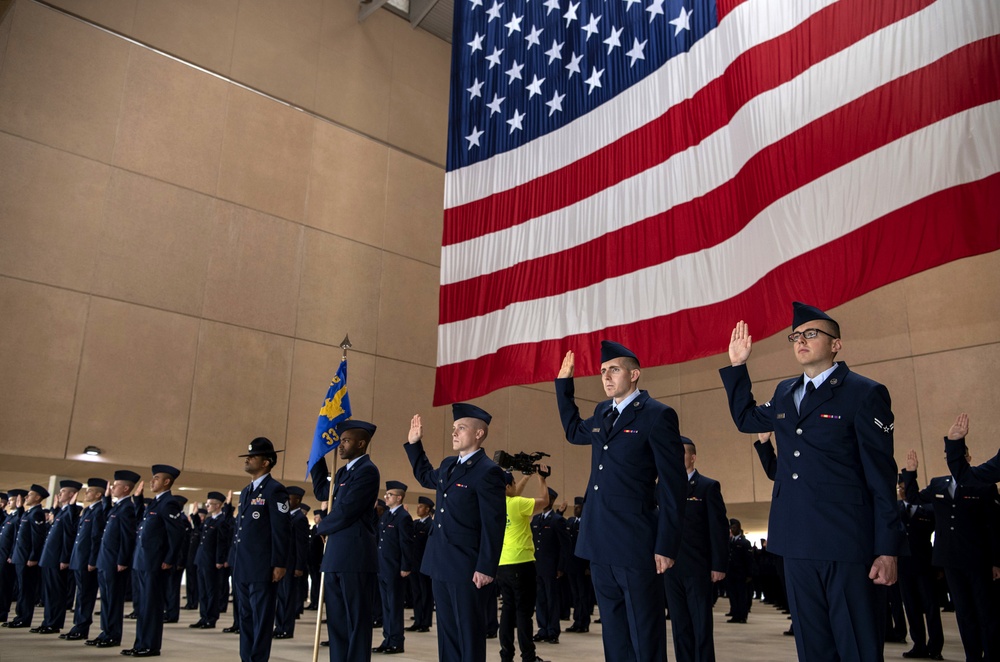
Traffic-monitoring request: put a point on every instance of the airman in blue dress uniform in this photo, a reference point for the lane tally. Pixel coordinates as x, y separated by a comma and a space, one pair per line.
55, 558
114, 558
83, 559
463, 548
420, 584
27, 553
395, 562
289, 602
215, 537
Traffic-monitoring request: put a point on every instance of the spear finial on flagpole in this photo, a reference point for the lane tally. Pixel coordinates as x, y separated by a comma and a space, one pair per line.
345, 345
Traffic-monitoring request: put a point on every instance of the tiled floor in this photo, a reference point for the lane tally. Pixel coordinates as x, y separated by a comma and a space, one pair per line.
759, 640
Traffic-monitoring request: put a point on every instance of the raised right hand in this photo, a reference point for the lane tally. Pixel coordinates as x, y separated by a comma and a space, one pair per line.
740, 344
911, 460
416, 430
569, 362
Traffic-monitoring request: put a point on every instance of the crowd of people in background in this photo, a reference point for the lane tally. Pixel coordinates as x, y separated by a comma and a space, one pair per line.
489, 557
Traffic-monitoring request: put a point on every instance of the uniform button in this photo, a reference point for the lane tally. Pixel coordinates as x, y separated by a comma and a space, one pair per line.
798, 431
795, 476
605, 447
600, 467
442, 510
446, 495
796, 453
595, 487
439, 526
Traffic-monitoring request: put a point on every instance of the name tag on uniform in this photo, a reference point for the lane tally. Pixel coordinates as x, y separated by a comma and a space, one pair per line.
780, 416
596, 430
938, 496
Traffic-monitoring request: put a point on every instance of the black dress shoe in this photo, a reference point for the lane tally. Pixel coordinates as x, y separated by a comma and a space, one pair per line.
196, 625
935, 656
73, 636
789, 632
108, 643
411, 628
170, 620
325, 644
131, 615
233, 629
281, 635
916, 654
737, 620
379, 649
538, 637
92, 642
44, 629
128, 652
207, 626
597, 620
571, 628
422, 630
145, 652
392, 650
551, 640
17, 624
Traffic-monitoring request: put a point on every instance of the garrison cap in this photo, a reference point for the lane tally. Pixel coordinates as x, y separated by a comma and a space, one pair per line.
802, 313
17, 493
465, 410
395, 485
381, 502
166, 469
321, 512
218, 496
355, 424
552, 493
295, 491
305, 507
38, 489
125, 474
426, 501
612, 350
3, 495
97, 482
72, 484
577, 501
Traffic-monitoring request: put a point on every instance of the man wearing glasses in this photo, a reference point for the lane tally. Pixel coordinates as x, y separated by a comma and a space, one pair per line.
833, 510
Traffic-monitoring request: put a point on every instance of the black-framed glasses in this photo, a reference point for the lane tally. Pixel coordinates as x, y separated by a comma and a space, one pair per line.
808, 334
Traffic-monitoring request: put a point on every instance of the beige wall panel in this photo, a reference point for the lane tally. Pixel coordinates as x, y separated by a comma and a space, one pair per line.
414, 215
371, 41
253, 271
954, 305
949, 383
115, 14
724, 453
408, 310
51, 206
898, 376
172, 121
418, 122
703, 374
50, 94
352, 92
662, 382
156, 244
266, 152
402, 390
570, 464
276, 48
134, 389
41, 331
241, 387
875, 327
347, 185
195, 30
312, 369
339, 293
423, 61
6, 19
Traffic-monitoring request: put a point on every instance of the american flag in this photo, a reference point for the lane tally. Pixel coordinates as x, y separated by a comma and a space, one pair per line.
652, 171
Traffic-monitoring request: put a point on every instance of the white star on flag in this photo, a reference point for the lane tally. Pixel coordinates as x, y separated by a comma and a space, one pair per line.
591, 27
514, 24
595, 79
570, 14
474, 137
479, 3
494, 57
553, 5
475, 90
476, 43
614, 40
514, 73
574, 64
555, 53
533, 37
536, 86
636, 52
630, 3
555, 103
682, 22
515, 121
494, 105
654, 9
494, 11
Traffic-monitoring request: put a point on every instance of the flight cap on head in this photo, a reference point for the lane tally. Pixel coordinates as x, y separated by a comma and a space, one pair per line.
802, 313
97, 482
72, 484
465, 410
553, 494
38, 489
218, 496
577, 501
355, 424
17, 493
295, 491
125, 474
395, 485
612, 350
381, 502
173, 472
426, 501
260, 446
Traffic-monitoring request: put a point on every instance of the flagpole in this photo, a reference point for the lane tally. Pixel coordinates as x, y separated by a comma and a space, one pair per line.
345, 344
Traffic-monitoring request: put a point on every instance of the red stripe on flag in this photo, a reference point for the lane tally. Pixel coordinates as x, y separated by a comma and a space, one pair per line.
724, 7
774, 172
684, 125
948, 225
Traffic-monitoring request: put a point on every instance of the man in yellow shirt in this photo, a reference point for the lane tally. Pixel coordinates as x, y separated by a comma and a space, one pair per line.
516, 574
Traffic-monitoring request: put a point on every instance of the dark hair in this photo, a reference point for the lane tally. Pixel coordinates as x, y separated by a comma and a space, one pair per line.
272, 458
690, 443
629, 363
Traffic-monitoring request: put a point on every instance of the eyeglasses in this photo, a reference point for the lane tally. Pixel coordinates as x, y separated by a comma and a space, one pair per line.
808, 334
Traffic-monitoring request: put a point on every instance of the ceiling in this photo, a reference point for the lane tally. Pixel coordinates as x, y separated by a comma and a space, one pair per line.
434, 16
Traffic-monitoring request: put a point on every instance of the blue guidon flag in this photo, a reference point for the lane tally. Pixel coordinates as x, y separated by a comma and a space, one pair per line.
654, 170
336, 408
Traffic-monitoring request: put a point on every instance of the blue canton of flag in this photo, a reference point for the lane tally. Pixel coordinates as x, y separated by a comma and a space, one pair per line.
524, 68
336, 408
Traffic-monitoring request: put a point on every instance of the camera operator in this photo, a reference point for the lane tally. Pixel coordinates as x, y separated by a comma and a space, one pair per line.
516, 574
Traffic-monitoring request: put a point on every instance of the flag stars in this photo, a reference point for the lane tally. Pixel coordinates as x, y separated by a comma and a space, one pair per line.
533, 37
570, 14
655, 9
494, 57
479, 3
514, 73
629, 3
555, 103
535, 87
595, 79
553, 5
636, 53
476, 90
682, 22
614, 41
494, 105
515, 121
494, 11
477, 43
555, 53
514, 24
591, 27
574, 64
474, 137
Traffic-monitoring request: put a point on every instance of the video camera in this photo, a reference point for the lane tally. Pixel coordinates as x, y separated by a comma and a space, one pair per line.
526, 463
